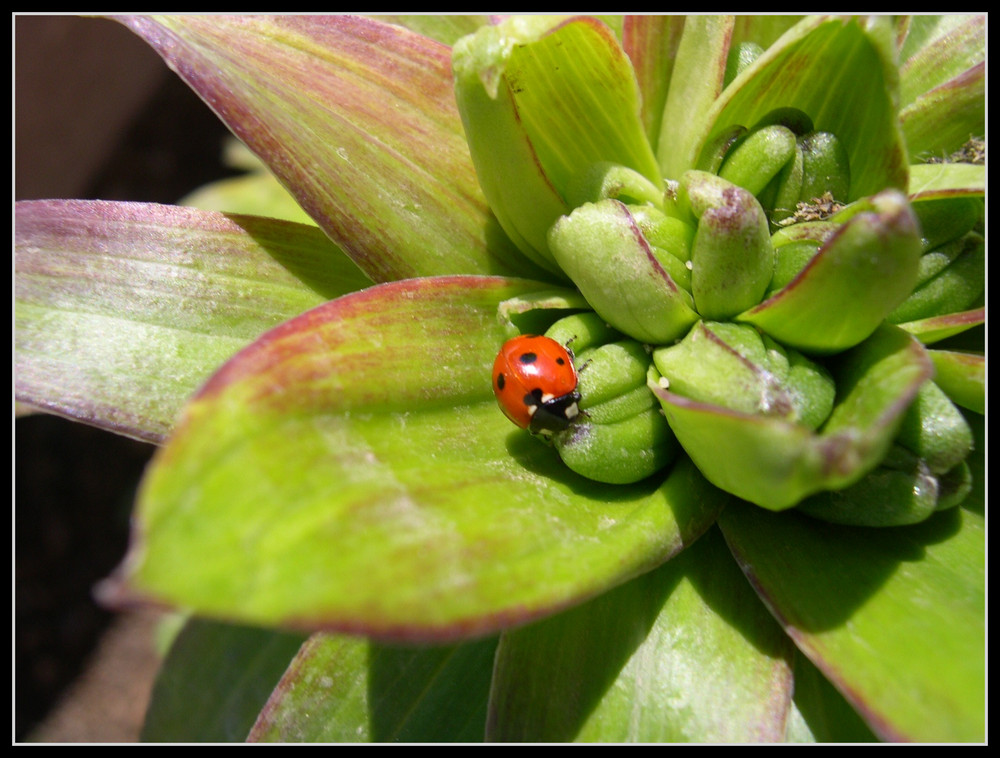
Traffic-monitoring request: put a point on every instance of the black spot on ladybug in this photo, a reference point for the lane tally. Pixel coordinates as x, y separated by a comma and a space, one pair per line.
501, 381
560, 361
527, 357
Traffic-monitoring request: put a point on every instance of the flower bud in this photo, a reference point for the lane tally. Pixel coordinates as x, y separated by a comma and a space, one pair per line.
620, 436
603, 250
732, 257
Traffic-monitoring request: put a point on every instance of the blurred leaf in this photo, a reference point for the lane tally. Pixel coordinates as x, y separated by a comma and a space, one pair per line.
933, 180
895, 618
445, 29
942, 59
122, 310
351, 471
685, 653
357, 118
962, 376
343, 689
215, 680
257, 193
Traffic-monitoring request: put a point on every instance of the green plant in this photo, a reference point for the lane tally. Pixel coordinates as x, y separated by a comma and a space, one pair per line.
739, 209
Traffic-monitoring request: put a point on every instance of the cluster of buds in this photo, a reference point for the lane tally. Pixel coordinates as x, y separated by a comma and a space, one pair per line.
778, 355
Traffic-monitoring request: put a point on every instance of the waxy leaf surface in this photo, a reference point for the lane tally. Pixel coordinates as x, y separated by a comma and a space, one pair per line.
350, 470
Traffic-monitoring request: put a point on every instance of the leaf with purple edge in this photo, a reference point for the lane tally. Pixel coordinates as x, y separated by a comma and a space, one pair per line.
297, 489
776, 463
357, 118
123, 309
870, 263
893, 617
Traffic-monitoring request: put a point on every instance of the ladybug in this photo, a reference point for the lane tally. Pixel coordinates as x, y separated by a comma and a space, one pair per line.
535, 382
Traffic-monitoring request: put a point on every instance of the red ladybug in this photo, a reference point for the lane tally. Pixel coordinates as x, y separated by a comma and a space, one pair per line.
535, 382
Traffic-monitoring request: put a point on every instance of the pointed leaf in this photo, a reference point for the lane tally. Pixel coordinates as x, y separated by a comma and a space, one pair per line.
346, 689
351, 471
685, 653
870, 264
122, 310
215, 680
776, 463
357, 119
945, 57
893, 617
936, 328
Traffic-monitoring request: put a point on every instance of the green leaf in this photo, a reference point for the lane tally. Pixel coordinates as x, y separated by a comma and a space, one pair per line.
695, 83
939, 122
962, 376
839, 71
893, 617
937, 328
445, 29
685, 653
820, 713
776, 463
541, 105
651, 41
346, 689
122, 310
215, 680
947, 56
351, 471
855, 280
934, 180
357, 118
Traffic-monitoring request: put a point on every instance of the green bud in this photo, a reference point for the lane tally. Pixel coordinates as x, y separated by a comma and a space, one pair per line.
715, 149
621, 436
610, 180
899, 492
935, 430
758, 157
602, 249
732, 256
870, 263
789, 260
619, 453
582, 331
959, 286
736, 367
946, 219
783, 195
825, 167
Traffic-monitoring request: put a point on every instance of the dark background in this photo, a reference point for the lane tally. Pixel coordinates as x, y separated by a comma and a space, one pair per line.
97, 114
